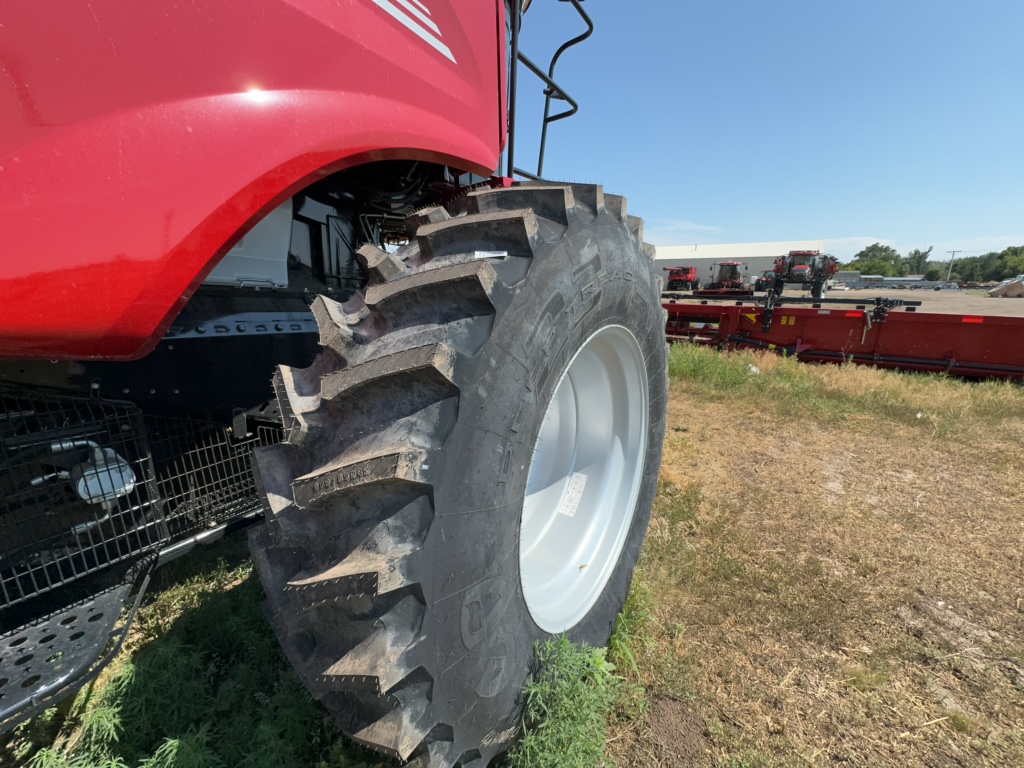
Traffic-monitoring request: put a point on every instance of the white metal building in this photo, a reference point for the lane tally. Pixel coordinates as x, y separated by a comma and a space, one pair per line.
757, 256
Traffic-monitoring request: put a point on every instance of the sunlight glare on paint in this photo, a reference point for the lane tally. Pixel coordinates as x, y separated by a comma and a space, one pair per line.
258, 96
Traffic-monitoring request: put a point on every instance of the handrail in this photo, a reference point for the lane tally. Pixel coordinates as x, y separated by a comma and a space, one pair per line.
548, 94
552, 91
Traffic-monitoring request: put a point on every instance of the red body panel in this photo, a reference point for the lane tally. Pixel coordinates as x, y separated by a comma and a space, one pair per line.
139, 140
962, 345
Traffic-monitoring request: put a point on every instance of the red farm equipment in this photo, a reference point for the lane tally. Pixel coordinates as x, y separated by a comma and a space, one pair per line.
812, 269
681, 279
765, 282
883, 332
728, 279
289, 279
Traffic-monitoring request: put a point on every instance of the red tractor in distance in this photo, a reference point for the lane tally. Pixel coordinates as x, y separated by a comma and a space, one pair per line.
813, 269
765, 281
682, 279
293, 281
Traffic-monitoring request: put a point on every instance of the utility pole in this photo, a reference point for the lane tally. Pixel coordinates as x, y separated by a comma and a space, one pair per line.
952, 255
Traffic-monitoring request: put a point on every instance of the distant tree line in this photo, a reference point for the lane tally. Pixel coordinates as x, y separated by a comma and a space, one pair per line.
878, 259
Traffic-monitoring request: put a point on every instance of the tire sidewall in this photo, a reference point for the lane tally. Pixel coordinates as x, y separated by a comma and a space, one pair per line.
592, 277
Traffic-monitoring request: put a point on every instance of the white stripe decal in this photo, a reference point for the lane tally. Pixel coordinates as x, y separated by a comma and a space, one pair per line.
426, 22
417, 29
421, 5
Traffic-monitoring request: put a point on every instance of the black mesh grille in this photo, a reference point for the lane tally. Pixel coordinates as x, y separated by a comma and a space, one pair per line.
204, 473
86, 483
49, 533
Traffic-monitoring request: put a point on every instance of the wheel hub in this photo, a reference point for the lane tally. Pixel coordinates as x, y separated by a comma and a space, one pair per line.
584, 479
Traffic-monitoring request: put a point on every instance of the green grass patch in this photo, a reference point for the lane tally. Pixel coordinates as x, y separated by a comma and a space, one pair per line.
631, 628
568, 701
629, 644
941, 405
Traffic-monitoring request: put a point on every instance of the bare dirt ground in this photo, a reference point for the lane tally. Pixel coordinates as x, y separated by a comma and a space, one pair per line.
834, 592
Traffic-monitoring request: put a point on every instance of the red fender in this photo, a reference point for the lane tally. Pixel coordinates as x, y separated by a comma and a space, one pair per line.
139, 141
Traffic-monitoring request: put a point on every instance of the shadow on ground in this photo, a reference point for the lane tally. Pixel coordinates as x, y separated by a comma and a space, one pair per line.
202, 682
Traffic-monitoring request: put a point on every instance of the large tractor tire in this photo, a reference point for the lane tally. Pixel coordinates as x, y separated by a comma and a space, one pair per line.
469, 467
819, 290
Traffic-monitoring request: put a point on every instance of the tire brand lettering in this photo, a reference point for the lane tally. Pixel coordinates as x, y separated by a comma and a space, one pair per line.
338, 479
478, 610
602, 278
576, 309
586, 299
546, 328
640, 304
590, 265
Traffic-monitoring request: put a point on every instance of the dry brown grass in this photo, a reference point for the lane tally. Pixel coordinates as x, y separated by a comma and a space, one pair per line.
835, 579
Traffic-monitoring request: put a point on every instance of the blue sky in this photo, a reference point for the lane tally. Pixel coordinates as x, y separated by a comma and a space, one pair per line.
734, 121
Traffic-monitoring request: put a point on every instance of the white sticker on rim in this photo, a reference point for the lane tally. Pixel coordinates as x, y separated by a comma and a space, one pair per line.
573, 494
490, 254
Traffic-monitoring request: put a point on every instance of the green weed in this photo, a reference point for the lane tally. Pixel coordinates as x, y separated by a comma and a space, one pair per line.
631, 627
193, 750
962, 723
568, 700
865, 678
632, 638
52, 758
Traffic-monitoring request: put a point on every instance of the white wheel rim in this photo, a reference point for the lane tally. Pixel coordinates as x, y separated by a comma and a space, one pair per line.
584, 479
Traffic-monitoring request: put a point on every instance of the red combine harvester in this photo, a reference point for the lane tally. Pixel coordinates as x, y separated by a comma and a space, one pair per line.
298, 249
811, 268
729, 279
682, 279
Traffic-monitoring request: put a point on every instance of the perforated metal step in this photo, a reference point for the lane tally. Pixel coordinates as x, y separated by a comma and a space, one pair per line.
40, 662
